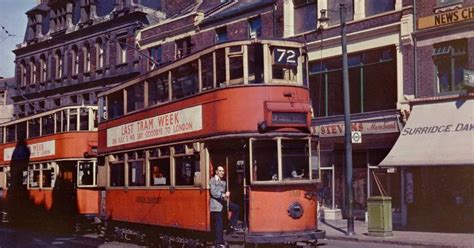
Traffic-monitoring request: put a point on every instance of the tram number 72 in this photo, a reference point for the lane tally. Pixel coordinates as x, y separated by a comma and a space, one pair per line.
284, 56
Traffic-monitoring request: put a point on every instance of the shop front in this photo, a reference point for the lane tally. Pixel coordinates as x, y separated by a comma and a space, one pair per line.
435, 154
379, 132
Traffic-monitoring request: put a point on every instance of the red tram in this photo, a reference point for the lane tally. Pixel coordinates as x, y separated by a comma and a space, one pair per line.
243, 105
48, 165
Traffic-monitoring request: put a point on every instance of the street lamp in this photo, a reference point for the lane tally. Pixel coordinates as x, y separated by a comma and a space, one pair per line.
347, 116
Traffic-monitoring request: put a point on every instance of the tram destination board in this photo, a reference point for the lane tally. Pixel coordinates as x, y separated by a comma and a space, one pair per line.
285, 56
288, 118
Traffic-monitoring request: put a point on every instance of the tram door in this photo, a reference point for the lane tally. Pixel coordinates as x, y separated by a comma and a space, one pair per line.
64, 196
230, 155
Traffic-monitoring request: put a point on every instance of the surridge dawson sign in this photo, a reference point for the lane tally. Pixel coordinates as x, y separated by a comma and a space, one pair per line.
444, 18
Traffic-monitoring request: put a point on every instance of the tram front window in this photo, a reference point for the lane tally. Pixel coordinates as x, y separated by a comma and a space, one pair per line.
265, 160
295, 159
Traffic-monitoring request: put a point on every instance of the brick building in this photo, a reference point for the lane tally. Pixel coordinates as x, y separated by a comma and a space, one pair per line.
435, 151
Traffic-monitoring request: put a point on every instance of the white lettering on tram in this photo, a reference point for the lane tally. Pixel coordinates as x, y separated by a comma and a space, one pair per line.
37, 150
178, 122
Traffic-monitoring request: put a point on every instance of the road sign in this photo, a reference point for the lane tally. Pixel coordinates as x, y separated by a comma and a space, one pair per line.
356, 137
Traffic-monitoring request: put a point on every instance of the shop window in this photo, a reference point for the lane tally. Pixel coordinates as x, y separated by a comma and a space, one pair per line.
86, 174
334, 11
221, 34
160, 171
33, 128
255, 27
374, 7
305, 16
187, 169
207, 67
450, 59
442, 3
115, 104
183, 47
295, 159
117, 171
255, 60
265, 160
158, 89
47, 124
185, 80
135, 97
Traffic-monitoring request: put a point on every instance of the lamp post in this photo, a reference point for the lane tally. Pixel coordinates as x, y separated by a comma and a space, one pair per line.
347, 119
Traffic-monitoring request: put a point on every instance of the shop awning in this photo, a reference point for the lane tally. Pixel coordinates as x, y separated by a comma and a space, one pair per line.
436, 134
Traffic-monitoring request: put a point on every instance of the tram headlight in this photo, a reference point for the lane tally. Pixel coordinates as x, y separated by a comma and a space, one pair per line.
295, 210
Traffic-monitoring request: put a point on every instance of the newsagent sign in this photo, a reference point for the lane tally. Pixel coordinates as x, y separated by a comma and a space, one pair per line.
444, 18
37, 150
173, 123
374, 127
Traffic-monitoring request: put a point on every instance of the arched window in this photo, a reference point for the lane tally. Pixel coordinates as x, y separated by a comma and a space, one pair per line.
99, 47
32, 71
75, 60
22, 75
87, 57
43, 68
58, 58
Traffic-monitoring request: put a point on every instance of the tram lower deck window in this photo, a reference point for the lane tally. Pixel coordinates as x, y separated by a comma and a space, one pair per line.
136, 173
117, 174
187, 169
160, 172
265, 160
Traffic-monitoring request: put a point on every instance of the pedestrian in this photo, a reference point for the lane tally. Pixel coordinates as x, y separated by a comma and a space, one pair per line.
219, 198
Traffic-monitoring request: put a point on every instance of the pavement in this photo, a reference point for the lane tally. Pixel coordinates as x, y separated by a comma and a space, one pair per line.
336, 230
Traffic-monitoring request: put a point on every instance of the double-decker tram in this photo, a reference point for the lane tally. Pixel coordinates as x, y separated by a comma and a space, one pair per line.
243, 105
49, 167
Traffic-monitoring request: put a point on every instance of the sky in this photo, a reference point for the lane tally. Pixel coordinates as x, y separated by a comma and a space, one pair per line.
13, 19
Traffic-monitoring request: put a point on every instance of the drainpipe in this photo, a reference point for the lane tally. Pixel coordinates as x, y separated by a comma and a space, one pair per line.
415, 53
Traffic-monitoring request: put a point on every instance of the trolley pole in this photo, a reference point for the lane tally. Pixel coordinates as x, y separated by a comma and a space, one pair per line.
347, 123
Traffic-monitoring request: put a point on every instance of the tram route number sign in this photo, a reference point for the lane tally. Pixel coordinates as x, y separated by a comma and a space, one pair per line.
285, 56
356, 137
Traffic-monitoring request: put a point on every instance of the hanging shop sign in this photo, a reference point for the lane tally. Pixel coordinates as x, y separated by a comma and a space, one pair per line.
445, 18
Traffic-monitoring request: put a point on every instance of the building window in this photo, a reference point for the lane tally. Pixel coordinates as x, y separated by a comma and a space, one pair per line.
221, 34
23, 73
122, 51
87, 58
450, 59
334, 14
367, 93
43, 69
32, 71
442, 3
374, 7
58, 58
99, 47
305, 18
75, 61
255, 27
155, 54
183, 47
3, 97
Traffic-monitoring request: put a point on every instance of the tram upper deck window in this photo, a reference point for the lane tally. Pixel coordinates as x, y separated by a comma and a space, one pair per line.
115, 104
85, 174
207, 74
295, 159
185, 80
220, 68
135, 97
117, 171
236, 65
285, 63
84, 119
21, 130
1, 135
64, 120
33, 128
255, 60
158, 89
11, 133
48, 124
72, 119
